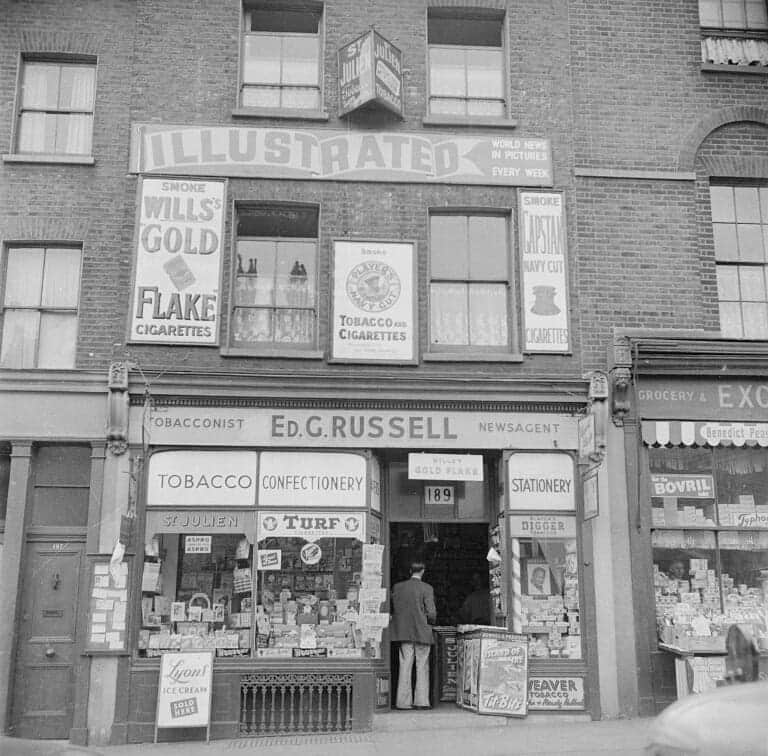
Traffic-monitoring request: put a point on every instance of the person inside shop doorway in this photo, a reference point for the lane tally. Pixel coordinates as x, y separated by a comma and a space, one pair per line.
676, 570
476, 609
413, 611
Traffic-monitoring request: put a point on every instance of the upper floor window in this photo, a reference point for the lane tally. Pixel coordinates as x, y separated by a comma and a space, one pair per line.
56, 107
281, 56
744, 15
39, 307
470, 282
275, 278
740, 230
466, 63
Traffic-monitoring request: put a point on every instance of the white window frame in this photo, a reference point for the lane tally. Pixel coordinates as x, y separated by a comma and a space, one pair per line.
39, 308
746, 28
314, 8
743, 265
307, 350
460, 14
61, 61
479, 351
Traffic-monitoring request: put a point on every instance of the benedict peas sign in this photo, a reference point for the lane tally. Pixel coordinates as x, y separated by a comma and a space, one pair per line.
178, 262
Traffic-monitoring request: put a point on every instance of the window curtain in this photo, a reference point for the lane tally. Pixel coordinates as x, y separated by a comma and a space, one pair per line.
743, 52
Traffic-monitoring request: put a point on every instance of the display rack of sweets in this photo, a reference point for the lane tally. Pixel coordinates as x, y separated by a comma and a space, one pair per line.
553, 630
673, 512
688, 613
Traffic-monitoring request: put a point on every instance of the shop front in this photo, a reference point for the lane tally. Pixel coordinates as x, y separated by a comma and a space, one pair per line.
703, 525
271, 537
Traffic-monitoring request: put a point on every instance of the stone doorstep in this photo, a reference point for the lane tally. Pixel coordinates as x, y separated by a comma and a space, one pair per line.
451, 717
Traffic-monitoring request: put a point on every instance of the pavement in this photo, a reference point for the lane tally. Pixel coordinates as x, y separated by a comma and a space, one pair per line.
442, 732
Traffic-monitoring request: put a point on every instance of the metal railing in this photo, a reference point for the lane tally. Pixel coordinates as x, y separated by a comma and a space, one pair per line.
276, 704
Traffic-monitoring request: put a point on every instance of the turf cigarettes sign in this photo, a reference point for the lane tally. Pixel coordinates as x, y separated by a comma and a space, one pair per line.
178, 262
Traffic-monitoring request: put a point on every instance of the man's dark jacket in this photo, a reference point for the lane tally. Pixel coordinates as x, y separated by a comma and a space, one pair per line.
413, 610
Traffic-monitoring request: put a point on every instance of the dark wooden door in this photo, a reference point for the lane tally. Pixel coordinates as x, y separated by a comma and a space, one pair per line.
43, 686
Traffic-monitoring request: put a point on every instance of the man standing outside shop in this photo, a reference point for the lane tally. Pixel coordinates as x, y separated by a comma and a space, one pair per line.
413, 611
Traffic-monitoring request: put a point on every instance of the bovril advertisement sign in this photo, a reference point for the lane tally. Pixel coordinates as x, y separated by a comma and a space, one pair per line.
178, 262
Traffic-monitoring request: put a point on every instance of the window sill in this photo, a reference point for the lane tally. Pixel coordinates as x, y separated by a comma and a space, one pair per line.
472, 357
271, 353
297, 115
735, 68
468, 121
44, 158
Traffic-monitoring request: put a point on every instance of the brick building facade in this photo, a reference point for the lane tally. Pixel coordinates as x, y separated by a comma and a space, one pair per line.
564, 128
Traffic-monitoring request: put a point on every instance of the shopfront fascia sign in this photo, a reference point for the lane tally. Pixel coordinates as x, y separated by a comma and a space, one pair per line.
327, 155
445, 467
213, 522
312, 479
555, 693
540, 481
374, 310
177, 270
544, 267
311, 526
202, 479
542, 526
692, 399
256, 426
370, 72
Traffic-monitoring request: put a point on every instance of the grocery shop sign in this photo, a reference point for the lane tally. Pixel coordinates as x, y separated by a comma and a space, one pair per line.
329, 155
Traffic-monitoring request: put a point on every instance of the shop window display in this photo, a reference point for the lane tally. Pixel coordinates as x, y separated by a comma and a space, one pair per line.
709, 543
548, 592
309, 599
197, 594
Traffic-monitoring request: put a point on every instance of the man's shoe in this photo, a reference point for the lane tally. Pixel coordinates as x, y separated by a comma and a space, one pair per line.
422, 708
405, 708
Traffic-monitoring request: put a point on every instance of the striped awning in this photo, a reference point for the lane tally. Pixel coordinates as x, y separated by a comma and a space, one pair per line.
703, 433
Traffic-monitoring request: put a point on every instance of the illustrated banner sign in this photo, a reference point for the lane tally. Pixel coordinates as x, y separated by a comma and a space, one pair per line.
253, 426
328, 155
445, 467
540, 481
307, 479
545, 272
555, 693
184, 689
373, 304
312, 525
202, 479
178, 262
370, 71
